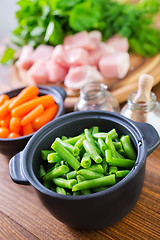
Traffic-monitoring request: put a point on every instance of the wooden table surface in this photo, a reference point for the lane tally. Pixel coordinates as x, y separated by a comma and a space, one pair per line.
22, 215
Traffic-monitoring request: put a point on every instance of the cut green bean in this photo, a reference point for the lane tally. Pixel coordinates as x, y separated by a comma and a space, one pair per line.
122, 173
102, 144
112, 134
73, 140
44, 153
91, 139
56, 172
111, 146
62, 182
113, 169
128, 147
88, 174
91, 150
71, 175
96, 168
122, 162
95, 129
79, 142
99, 182
66, 155
104, 166
61, 190
42, 171
72, 149
86, 161
53, 157
108, 155
82, 179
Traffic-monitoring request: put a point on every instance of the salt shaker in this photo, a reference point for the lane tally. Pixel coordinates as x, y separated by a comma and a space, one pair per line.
142, 105
94, 95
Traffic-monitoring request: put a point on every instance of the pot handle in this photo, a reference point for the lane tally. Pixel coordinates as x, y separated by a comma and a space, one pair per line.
150, 136
16, 170
61, 91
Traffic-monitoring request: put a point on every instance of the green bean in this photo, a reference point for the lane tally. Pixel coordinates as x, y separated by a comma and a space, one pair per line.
104, 166
71, 175
42, 171
113, 169
128, 147
111, 146
86, 161
61, 190
66, 155
95, 129
64, 138
102, 144
88, 174
122, 173
73, 140
91, 139
64, 183
121, 162
112, 134
99, 182
72, 149
79, 142
96, 168
56, 172
44, 153
118, 145
91, 150
85, 191
53, 157
108, 155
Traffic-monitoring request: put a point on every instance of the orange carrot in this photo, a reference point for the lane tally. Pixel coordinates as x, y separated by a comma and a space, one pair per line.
4, 109
5, 122
15, 125
3, 98
13, 135
27, 129
45, 117
25, 95
32, 114
4, 132
23, 109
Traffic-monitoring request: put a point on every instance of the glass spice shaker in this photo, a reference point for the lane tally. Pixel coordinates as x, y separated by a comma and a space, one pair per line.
143, 111
94, 95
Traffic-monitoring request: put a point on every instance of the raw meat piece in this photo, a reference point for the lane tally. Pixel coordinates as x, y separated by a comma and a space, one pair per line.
59, 55
81, 40
115, 65
119, 43
56, 73
42, 51
101, 50
25, 60
77, 77
96, 36
38, 72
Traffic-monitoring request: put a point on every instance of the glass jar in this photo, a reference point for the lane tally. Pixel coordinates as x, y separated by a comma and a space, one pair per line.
94, 95
143, 112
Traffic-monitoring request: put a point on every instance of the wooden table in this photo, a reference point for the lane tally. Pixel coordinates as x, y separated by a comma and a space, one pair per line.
22, 215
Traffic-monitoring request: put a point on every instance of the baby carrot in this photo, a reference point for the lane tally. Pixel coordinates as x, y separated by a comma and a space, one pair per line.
3, 98
4, 109
4, 132
25, 95
5, 122
27, 129
32, 115
20, 111
13, 135
15, 125
45, 117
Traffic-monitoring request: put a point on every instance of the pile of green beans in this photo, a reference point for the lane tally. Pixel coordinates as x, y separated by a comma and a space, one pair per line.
87, 163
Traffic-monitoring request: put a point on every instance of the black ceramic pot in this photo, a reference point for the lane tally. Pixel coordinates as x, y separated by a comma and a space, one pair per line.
98, 209
10, 147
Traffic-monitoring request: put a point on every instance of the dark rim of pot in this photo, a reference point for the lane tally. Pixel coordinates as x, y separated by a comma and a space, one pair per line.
60, 121
43, 90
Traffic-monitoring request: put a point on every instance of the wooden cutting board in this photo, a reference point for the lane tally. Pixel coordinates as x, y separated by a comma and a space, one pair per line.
120, 88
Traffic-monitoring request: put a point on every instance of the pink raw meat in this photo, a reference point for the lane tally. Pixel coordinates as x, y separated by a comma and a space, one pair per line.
95, 36
119, 43
77, 77
25, 60
56, 73
70, 57
115, 65
81, 39
101, 50
42, 51
38, 72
